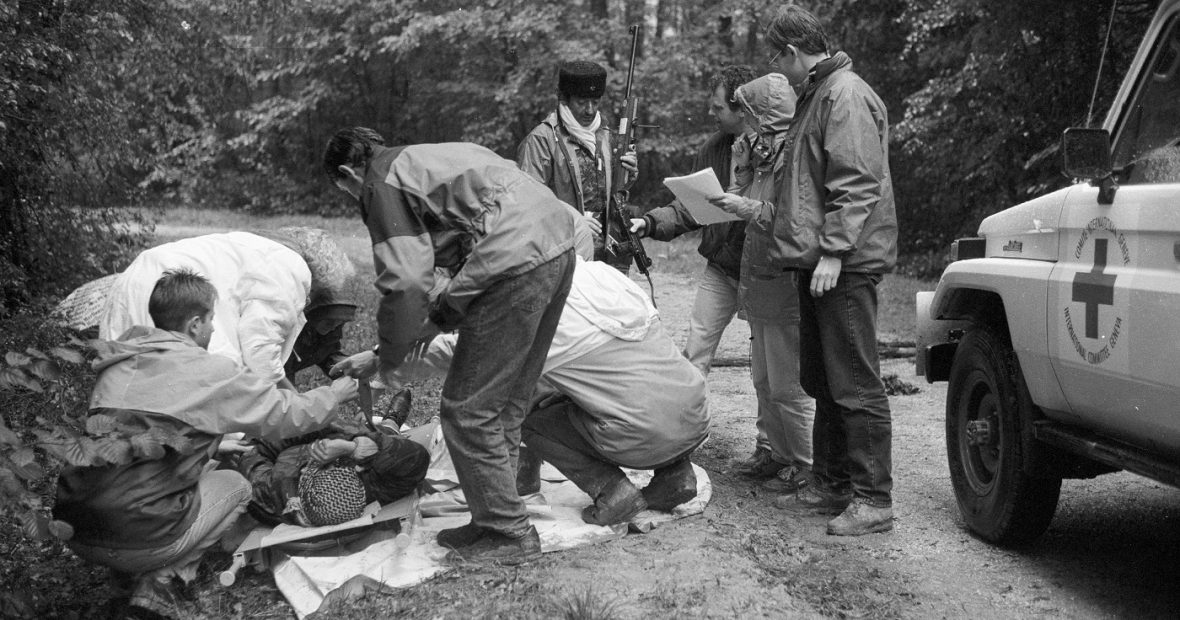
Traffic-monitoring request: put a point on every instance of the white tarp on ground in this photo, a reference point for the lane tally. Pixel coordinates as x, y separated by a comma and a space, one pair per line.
382, 560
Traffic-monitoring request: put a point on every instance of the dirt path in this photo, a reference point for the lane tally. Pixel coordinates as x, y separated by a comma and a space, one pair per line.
1110, 553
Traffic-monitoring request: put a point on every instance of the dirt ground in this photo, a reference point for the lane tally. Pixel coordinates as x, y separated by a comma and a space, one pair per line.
1110, 553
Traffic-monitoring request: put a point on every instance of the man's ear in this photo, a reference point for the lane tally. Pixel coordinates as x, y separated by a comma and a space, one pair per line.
351, 173
192, 327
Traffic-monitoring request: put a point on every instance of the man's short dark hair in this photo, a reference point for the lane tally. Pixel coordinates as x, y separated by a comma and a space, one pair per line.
732, 76
179, 295
795, 25
350, 147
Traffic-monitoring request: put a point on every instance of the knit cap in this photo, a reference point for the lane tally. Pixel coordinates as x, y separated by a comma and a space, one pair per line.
331, 495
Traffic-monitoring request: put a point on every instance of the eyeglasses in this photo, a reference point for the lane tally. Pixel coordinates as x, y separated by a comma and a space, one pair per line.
774, 58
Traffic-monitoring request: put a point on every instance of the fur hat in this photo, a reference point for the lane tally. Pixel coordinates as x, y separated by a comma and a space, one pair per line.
331, 495
581, 78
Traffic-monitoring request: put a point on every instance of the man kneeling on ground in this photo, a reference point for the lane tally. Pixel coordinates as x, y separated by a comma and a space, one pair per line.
150, 519
615, 392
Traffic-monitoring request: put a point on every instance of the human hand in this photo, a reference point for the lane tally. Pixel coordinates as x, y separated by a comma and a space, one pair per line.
825, 276
593, 223
630, 162
345, 389
234, 445
740, 152
732, 203
639, 226
358, 366
327, 450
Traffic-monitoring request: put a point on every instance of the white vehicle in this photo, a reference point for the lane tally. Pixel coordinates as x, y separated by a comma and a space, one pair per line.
1058, 328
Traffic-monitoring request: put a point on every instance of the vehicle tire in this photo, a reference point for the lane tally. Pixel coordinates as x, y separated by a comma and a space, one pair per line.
1000, 496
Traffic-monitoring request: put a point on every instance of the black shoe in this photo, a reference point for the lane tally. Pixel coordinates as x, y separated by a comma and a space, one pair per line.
618, 503
400, 407
761, 465
671, 486
495, 548
461, 536
528, 472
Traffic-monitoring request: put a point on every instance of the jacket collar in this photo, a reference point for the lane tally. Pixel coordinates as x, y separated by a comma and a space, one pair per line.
823, 69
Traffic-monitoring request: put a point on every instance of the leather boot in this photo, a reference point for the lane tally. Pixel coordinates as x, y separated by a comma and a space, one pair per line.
671, 486
618, 503
528, 472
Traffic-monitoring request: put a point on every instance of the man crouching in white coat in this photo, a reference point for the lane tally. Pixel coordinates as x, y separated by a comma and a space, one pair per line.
615, 392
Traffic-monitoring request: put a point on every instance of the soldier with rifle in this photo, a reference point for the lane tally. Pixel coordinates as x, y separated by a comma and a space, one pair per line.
573, 152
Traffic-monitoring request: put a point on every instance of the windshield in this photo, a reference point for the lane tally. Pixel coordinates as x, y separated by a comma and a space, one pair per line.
1148, 145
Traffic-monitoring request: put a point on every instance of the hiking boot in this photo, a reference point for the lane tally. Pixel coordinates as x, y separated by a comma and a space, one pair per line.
789, 479
400, 407
671, 486
812, 498
496, 548
462, 536
528, 472
759, 465
861, 518
618, 503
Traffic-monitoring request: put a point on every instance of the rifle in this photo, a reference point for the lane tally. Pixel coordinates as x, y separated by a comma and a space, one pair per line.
624, 141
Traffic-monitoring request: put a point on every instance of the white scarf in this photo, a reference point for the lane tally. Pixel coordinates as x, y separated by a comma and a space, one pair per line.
584, 135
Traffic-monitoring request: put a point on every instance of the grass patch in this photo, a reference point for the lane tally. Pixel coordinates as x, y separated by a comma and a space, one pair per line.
584, 604
831, 584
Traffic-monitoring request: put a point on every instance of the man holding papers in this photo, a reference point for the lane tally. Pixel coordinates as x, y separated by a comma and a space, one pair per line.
768, 293
721, 243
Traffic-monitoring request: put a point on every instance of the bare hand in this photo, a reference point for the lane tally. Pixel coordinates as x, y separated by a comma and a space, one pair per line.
732, 203
639, 226
230, 445
630, 162
345, 389
327, 450
593, 223
825, 276
358, 366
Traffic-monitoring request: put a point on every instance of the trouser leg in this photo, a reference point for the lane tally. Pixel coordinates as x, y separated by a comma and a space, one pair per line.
550, 433
713, 309
853, 428
502, 345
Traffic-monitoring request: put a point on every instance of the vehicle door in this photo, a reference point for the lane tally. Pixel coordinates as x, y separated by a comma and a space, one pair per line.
1114, 294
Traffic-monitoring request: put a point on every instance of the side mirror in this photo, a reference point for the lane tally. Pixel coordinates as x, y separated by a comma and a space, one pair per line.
1086, 153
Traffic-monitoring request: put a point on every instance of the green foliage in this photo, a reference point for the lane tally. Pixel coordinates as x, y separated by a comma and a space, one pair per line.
48, 386
1002, 80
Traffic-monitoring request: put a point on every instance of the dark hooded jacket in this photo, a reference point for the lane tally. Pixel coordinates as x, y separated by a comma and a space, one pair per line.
721, 244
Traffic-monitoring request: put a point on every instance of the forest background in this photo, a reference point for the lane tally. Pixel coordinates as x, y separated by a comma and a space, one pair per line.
109, 104
113, 111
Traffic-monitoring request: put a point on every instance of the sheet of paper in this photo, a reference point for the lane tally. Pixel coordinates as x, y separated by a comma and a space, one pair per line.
693, 191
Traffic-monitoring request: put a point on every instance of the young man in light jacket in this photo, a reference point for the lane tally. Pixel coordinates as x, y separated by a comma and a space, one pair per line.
153, 516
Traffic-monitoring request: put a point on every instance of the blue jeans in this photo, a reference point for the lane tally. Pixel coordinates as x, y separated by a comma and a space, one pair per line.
502, 345
852, 440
